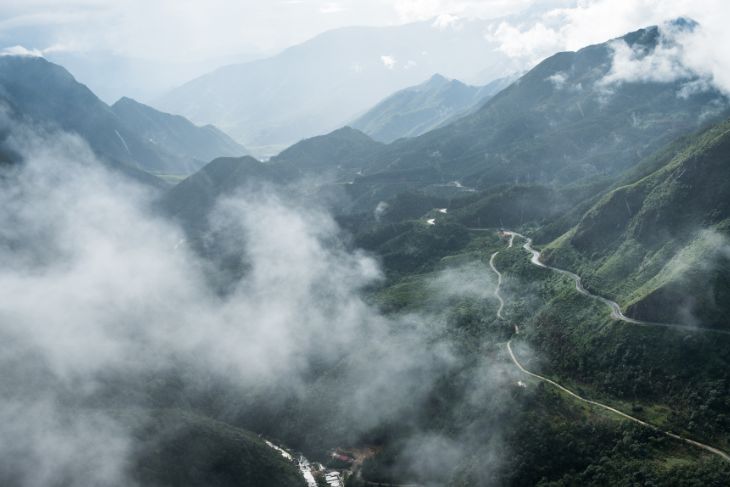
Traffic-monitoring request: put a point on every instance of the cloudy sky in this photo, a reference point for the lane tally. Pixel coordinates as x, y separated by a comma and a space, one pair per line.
204, 34
209, 28
204, 29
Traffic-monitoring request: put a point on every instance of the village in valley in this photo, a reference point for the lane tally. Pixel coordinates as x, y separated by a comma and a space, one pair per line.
342, 465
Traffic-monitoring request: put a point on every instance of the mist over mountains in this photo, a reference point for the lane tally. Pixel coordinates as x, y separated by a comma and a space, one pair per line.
139, 294
516, 281
324, 83
422, 108
127, 133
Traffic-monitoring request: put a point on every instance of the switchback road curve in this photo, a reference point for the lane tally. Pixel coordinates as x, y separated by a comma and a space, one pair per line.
536, 260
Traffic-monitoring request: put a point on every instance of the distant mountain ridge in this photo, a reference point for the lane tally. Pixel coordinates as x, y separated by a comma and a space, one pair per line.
416, 110
555, 126
558, 123
324, 83
343, 151
176, 135
131, 134
332, 157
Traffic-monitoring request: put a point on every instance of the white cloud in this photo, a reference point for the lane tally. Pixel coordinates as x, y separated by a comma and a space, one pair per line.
20, 51
388, 61
412, 10
444, 21
665, 64
586, 22
181, 31
124, 296
558, 80
529, 45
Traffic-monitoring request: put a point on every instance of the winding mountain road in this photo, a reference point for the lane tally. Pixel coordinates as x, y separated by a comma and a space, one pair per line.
616, 312
703, 446
536, 260
499, 284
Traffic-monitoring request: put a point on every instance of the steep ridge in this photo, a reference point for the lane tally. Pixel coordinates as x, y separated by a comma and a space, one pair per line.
535, 260
334, 157
127, 135
47, 94
192, 200
560, 132
416, 110
322, 84
659, 244
181, 447
175, 135
616, 312
565, 120
344, 151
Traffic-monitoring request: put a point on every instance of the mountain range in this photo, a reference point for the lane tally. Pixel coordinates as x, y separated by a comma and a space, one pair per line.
624, 182
326, 82
544, 148
131, 135
557, 126
559, 122
175, 135
419, 109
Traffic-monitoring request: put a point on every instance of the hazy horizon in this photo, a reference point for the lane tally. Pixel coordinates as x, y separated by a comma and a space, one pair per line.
141, 50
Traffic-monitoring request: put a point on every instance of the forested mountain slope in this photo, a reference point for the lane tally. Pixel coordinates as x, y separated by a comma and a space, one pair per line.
175, 135
416, 110
569, 118
128, 134
323, 83
660, 243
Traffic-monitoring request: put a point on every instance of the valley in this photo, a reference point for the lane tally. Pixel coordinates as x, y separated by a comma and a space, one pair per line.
489, 249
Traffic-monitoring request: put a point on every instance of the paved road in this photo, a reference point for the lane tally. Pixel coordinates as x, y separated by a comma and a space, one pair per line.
499, 284
536, 260
616, 312
708, 448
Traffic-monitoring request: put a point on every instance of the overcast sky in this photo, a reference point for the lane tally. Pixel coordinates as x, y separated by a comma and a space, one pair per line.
222, 31
205, 29
209, 28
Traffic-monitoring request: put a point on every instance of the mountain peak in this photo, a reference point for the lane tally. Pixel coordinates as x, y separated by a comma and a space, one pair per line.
349, 132
125, 101
175, 134
418, 109
683, 24
438, 77
437, 80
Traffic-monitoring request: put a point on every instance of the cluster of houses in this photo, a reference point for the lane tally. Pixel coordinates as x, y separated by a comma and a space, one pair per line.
312, 471
334, 479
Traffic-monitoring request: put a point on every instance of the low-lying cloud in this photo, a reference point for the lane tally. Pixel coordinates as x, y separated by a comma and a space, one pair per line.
699, 53
96, 285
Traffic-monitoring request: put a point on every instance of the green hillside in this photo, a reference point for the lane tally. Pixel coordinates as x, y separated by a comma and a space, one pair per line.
414, 111
342, 152
520, 284
183, 448
659, 244
177, 136
128, 136
557, 123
